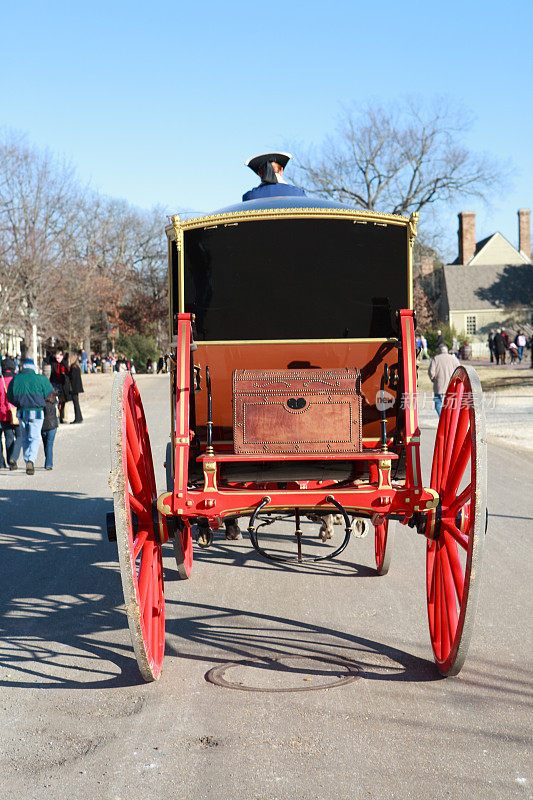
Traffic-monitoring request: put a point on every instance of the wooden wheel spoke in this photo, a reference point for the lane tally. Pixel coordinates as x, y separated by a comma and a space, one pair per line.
453, 413
455, 533
145, 573
438, 616
137, 455
457, 472
450, 592
139, 509
444, 621
459, 502
155, 604
140, 539
145, 454
148, 613
455, 565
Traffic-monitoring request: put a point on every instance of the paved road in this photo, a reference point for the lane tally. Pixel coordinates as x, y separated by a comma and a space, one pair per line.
77, 722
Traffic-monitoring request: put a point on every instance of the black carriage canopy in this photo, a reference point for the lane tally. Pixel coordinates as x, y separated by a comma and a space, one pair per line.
295, 279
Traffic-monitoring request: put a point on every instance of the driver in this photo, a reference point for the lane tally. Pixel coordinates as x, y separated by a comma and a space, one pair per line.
269, 167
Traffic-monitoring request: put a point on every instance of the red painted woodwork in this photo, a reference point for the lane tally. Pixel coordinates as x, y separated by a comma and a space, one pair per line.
222, 359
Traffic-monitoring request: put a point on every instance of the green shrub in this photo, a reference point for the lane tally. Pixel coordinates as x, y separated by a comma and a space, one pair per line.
137, 348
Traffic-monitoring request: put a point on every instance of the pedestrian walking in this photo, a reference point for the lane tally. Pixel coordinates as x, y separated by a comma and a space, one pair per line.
76, 387
424, 345
9, 423
440, 338
49, 430
84, 359
28, 392
499, 347
520, 342
490, 342
440, 370
59, 378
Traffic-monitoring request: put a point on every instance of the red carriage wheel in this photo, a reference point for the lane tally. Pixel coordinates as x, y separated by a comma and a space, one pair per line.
456, 529
383, 536
139, 547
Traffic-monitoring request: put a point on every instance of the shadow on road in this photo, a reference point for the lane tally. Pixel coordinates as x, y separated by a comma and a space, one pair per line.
220, 634
61, 608
59, 594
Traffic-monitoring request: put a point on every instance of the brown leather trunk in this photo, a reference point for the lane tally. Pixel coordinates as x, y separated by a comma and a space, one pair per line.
297, 411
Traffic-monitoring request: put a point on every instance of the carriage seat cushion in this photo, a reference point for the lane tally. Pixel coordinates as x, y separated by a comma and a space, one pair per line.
297, 411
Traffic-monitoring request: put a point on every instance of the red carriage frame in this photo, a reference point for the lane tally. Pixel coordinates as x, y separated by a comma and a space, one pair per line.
450, 513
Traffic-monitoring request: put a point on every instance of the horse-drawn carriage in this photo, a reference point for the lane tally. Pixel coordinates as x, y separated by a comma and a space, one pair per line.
294, 389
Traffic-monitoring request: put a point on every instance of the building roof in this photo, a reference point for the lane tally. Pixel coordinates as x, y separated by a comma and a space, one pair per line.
478, 286
495, 249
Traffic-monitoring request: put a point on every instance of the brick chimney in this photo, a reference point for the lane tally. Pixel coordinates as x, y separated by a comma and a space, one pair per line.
467, 236
524, 232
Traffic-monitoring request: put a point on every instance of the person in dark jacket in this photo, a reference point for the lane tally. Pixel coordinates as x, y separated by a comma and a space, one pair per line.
490, 342
28, 391
269, 167
59, 378
499, 347
48, 431
76, 387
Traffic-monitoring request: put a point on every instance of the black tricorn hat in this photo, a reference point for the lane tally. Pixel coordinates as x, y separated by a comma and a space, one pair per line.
257, 162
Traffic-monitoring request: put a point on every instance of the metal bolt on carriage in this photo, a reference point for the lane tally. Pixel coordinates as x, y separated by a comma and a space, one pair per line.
293, 387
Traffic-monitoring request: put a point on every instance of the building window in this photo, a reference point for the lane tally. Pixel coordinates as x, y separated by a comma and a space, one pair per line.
470, 324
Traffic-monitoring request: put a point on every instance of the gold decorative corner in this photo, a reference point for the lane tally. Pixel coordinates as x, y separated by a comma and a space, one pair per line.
413, 225
178, 230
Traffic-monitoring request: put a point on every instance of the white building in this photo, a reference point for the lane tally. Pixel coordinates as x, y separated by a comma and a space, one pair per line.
490, 279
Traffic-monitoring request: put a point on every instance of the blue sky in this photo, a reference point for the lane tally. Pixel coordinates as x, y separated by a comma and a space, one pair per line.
161, 104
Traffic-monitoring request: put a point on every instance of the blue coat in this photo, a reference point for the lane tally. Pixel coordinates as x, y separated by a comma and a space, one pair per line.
272, 190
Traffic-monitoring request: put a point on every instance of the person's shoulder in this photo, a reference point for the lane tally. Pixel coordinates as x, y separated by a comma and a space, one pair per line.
45, 383
251, 193
289, 189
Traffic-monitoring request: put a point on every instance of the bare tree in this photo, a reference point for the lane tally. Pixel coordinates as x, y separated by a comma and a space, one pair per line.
37, 193
70, 259
398, 159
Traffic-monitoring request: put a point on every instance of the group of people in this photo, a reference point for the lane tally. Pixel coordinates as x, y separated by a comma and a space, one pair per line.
27, 414
111, 362
65, 377
162, 365
500, 344
32, 406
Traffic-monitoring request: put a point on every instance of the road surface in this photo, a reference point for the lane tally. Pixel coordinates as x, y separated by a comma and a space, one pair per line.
78, 723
